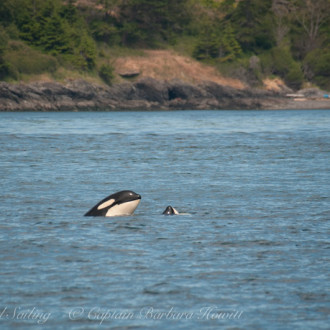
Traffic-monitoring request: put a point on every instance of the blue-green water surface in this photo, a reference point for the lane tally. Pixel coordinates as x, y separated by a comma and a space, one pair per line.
251, 250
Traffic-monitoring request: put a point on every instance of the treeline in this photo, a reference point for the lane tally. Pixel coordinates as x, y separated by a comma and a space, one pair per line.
53, 27
250, 39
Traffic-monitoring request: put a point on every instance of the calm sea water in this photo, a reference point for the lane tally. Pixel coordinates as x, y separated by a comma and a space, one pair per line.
251, 251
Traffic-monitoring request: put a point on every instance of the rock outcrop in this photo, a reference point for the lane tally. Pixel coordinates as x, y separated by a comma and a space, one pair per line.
144, 94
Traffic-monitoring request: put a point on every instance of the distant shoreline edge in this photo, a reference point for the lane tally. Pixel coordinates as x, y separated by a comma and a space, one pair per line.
149, 94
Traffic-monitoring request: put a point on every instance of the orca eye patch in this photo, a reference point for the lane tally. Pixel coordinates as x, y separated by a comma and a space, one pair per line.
106, 204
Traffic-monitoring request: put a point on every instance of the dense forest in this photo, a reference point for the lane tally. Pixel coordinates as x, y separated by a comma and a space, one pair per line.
247, 39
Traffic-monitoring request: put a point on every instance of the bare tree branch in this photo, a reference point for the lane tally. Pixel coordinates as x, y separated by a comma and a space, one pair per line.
311, 15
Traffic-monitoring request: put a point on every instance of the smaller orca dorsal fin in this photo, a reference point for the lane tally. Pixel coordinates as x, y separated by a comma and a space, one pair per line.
170, 211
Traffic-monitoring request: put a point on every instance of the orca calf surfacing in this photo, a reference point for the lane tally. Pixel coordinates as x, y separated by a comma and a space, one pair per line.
121, 203
170, 211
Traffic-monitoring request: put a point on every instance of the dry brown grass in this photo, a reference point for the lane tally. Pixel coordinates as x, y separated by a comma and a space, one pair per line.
275, 84
168, 65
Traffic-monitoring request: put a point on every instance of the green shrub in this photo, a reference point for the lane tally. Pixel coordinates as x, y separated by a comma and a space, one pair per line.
266, 61
207, 47
217, 43
106, 72
317, 67
3, 40
4, 69
104, 32
26, 60
4, 65
294, 78
279, 61
12, 31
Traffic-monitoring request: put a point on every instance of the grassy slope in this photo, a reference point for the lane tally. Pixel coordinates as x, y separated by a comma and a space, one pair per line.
158, 64
169, 65
164, 64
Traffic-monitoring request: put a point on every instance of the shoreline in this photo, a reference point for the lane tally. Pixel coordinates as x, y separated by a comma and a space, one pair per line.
148, 94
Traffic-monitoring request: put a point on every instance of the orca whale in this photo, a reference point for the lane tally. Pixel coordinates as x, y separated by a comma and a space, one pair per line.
121, 203
170, 211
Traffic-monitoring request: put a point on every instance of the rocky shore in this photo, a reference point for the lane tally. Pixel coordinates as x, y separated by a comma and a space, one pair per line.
148, 94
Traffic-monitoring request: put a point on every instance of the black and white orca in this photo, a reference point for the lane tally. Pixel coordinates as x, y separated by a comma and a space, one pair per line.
170, 211
121, 203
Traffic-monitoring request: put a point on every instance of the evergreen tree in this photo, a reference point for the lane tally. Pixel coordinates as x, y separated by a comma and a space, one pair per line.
4, 66
56, 28
208, 43
229, 48
69, 12
141, 20
252, 22
54, 38
87, 52
6, 12
150, 21
317, 67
